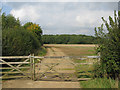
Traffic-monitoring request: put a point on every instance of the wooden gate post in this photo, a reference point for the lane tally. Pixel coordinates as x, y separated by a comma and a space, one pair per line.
33, 67
116, 81
119, 81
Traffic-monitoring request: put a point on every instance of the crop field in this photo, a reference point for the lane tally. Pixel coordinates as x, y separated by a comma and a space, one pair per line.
75, 49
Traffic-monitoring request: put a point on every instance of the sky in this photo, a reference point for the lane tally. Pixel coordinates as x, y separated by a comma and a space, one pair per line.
62, 17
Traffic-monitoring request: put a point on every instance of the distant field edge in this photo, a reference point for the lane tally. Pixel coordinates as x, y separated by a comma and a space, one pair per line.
82, 45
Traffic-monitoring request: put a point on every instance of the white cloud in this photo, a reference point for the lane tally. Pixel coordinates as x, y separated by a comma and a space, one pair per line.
26, 13
62, 17
50, 24
60, 0
92, 17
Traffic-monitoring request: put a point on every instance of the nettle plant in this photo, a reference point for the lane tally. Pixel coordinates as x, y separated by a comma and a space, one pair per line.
108, 39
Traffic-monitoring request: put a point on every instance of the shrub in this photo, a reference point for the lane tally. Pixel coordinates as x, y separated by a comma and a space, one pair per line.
19, 42
109, 47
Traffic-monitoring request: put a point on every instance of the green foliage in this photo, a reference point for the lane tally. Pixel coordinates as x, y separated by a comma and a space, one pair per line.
9, 22
68, 39
19, 42
35, 28
42, 51
16, 40
27, 24
109, 47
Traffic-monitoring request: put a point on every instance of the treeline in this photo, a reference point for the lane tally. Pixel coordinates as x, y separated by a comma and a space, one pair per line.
20, 39
68, 39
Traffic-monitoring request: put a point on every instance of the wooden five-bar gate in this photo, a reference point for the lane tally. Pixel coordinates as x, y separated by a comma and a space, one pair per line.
18, 66
35, 67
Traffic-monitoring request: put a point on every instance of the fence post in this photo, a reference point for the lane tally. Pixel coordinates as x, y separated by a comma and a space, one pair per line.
116, 81
33, 68
119, 81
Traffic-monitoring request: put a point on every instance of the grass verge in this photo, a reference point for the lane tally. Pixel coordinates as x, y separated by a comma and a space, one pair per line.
41, 52
86, 71
98, 83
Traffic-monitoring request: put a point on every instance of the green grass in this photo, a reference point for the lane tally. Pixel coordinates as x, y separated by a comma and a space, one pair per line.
98, 83
86, 71
79, 61
42, 51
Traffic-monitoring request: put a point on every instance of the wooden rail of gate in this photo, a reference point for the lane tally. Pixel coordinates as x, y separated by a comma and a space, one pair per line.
51, 67
30, 60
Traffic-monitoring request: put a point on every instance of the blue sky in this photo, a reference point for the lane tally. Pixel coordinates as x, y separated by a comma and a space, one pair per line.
62, 17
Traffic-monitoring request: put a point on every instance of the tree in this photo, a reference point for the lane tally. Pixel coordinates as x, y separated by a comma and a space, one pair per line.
16, 40
35, 28
9, 21
19, 42
68, 39
109, 47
